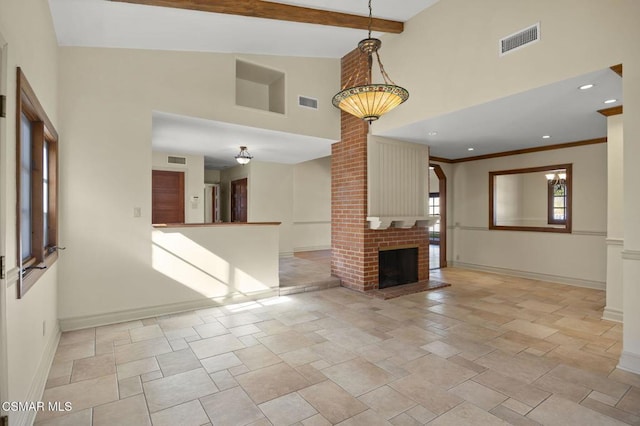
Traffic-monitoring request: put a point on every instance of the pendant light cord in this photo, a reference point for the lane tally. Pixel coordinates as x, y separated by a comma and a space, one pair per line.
370, 19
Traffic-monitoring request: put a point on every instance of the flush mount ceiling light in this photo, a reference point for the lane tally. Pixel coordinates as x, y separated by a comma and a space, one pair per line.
470, 149
369, 101
546, 137
585, 86
432, 133
243, 156
610, 101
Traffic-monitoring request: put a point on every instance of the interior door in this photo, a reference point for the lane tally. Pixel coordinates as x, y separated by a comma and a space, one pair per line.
167, 197
239, 200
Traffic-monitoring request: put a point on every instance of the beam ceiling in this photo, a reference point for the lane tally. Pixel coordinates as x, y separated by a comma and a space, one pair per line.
279, 11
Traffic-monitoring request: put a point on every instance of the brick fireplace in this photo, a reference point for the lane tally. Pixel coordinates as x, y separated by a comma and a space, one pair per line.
355, 247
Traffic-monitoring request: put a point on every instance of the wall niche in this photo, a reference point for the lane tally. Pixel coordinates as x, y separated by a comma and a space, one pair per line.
259, 87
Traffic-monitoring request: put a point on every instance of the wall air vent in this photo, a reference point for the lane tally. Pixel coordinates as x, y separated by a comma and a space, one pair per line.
520, 39
307, 102
176, 160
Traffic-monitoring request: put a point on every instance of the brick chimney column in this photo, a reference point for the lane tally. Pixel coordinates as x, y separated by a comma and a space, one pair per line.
354, 246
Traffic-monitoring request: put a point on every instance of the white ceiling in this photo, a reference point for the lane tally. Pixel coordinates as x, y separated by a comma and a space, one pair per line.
515, 122
219, 142
102, 23
559, 110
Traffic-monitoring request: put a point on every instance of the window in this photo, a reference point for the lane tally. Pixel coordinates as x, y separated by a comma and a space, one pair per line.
434, 210
557, 204
37, 155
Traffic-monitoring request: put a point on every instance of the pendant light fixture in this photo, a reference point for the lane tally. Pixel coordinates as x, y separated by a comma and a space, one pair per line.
369, 101
243, 156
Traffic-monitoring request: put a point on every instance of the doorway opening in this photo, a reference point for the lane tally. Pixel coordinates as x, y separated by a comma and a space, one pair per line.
438, 206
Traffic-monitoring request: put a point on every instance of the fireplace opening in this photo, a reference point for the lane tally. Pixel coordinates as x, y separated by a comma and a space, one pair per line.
397, 267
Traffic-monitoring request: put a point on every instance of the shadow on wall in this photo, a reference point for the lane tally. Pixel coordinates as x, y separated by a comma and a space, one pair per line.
198, 268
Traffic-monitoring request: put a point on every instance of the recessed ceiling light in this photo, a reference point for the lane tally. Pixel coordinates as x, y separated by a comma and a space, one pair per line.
546, 137
470, 149
610, 101
585, 86
432, 133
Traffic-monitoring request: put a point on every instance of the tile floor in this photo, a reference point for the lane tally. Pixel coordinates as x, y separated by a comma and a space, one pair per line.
306, 271
489, 350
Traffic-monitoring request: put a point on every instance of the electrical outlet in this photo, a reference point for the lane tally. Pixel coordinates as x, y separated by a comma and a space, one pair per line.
137, 212
457, 257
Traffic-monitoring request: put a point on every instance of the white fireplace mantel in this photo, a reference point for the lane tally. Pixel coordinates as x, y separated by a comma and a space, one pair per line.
403, 222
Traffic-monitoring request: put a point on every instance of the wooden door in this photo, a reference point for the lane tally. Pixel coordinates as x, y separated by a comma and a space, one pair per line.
239, 200
167, 197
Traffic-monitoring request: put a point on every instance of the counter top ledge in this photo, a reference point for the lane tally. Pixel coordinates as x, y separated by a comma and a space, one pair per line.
206, 225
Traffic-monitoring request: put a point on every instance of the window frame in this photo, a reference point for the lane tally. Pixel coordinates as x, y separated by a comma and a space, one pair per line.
567, 228
42, 133
551, 204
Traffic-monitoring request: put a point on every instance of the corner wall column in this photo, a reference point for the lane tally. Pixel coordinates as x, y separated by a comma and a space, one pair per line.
630, 358
615, 227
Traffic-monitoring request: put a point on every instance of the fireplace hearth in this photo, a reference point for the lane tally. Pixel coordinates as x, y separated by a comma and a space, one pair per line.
397, 267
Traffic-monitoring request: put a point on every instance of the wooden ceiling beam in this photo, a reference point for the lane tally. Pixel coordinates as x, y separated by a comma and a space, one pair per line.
279, 11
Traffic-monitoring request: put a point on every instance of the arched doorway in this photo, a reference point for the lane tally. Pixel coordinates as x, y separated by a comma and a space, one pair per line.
438, 233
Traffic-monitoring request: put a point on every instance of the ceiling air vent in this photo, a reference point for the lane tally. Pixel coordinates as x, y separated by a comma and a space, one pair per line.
520, 39
176, 160
306, 102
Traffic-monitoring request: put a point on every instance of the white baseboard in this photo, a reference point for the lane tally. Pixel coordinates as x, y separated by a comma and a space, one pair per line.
76, 323
285, 254
27, 417
312, 248
598, 285
629, 362
612, 314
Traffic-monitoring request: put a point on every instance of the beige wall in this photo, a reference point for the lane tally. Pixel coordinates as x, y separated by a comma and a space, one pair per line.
27, 29
578, 258
461, 36
298, 196
194, 179
312, 205
271, 199
106, 101
252, 95
212, 176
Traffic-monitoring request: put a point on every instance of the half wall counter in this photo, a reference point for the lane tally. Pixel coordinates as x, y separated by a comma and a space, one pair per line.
225, 262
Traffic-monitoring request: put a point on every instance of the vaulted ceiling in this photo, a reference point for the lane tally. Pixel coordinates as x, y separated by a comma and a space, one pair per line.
331, 29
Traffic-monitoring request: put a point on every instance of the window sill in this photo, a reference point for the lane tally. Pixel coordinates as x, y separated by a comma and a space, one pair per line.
33, 275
